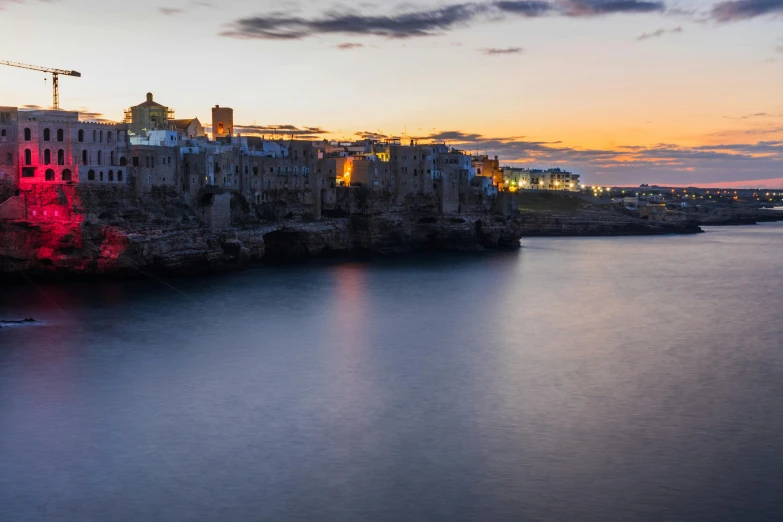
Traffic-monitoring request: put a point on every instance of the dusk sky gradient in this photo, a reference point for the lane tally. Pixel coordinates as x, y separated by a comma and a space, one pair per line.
622, 91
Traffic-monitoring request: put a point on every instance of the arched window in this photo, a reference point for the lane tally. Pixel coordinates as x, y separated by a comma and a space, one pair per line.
84, 157
91, 175
119, 175
101, 175
111, 156
81, 135
47, 135
94, 135
111, 175
28, 135
61, 157
28, 157
2, 133
49, 175
108, 137
60, 135
100, 157
101, 136
47, 157
67, 175
123, 162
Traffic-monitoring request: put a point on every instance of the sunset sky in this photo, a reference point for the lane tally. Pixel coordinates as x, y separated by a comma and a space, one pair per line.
622, 91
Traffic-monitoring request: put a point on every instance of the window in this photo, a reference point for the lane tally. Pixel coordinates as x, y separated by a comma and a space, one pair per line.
47, 157
28, 172
60, 135
108, 137
49, 175
61, 157
91, 175
94, 136
84, 157
10, 158
149, 180
101, 175
119, 175
2, 133
81, 136
111, 158
101, 136
28, 157
220, 127
100, 157
123, 162
135, 161
47, 135
111, 175
28, 135
66, 175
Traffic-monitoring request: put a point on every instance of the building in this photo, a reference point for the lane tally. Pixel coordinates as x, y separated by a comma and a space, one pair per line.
9, 148
222, 122
148, 116
58, 147
188, 129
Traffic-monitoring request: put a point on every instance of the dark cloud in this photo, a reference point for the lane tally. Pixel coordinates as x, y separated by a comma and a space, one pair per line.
743, 9
510, 50
408, 23
278, 26
349, 46
281, 130
169, 11
368, 135
584, 8
658, 33
662, 163
524, 8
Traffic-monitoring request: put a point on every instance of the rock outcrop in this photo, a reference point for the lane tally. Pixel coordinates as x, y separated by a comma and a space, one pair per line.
110, 231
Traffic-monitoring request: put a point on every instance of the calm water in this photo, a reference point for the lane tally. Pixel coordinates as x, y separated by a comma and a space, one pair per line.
618, 379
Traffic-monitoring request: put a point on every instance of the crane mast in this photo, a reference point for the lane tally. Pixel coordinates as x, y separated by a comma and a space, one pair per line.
55, 77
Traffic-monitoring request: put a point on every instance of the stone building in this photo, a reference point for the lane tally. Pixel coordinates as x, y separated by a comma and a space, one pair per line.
148, 116
9, 148
152, 166
189, 129
222, 122
57, 147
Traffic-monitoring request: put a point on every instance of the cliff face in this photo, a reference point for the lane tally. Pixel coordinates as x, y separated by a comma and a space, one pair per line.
591, 222
111, 231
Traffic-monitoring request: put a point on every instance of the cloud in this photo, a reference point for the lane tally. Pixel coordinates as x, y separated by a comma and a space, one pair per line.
510, 50
281, 130
584, 8
349, 46
406, 23
661, 163
734, 10
779, 49
278, 26
658, 33
169, 11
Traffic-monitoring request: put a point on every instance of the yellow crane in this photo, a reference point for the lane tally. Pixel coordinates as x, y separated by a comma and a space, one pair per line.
55, 77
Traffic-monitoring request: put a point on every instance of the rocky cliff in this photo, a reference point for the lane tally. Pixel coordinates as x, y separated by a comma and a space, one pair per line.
111, 231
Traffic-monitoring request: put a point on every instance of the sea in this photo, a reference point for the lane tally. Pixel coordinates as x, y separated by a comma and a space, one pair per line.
576, 379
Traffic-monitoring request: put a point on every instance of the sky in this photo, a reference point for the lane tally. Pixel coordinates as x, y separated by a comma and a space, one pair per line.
675, 92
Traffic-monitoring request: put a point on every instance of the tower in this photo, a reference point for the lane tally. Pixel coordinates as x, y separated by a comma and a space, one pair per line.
222, 122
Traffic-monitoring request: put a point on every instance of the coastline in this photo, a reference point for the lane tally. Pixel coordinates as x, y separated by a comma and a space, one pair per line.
115, 235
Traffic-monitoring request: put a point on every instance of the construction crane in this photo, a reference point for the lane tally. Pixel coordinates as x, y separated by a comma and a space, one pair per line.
55, 77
